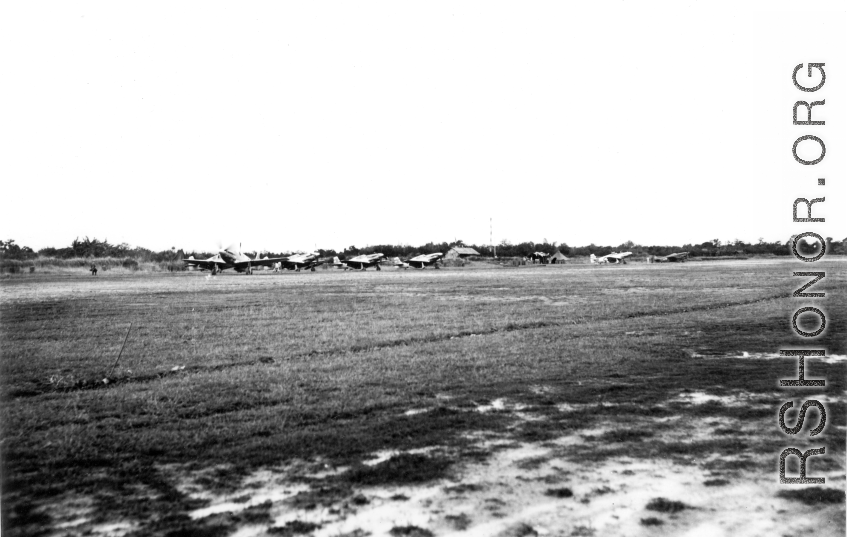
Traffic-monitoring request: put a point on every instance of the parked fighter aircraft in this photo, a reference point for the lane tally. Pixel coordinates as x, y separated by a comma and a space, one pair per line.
205, 264
231, 257
399, 264
337, 263
678, 257
302, 261
425, 260
611, 258
360, 262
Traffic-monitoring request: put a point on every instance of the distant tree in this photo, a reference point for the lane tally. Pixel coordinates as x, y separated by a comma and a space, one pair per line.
10, 250
484, 250
524, 249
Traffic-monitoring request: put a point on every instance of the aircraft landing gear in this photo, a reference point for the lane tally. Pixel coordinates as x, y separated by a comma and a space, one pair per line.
377, 268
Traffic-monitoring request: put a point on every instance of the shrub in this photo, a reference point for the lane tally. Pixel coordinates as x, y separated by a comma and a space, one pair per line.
663, 505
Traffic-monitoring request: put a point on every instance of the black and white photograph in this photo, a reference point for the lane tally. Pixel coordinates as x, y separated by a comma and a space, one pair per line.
423, 269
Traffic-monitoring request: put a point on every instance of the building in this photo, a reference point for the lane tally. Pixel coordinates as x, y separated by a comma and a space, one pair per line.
460, 252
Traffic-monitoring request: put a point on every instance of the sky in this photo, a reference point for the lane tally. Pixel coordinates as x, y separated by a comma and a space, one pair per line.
292, 125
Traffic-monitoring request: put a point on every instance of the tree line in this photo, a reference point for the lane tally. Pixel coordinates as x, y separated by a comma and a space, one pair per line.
88, 248
712, 248
91, 248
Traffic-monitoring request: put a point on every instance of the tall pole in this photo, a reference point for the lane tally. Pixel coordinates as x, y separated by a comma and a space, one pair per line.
491, 236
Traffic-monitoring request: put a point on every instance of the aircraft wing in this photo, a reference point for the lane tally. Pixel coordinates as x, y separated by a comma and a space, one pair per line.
302, 259
306, 263
426, 258
204, 263
266, 262
619, 256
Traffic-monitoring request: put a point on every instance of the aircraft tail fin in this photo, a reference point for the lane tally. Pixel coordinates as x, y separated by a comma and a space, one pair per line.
593, 258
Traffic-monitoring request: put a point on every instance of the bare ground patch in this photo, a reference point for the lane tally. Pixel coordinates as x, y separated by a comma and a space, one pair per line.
539, 488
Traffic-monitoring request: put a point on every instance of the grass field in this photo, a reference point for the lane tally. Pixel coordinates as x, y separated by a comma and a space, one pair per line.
560, 400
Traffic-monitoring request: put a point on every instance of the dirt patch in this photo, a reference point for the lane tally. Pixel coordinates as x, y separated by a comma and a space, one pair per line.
520, 487
625, 435
560, 493
814, 495
295, 527
663, 505
409, 531
400, 469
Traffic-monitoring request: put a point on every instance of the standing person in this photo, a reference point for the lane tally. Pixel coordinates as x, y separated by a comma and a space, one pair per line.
93, 269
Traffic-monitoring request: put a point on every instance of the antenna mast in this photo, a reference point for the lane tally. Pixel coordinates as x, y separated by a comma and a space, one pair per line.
491, 235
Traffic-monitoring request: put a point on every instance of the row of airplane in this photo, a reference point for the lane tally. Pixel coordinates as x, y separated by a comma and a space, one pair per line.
231, 257
620, 258
362, 262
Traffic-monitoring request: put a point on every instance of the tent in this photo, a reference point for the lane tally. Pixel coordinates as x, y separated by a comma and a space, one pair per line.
557, 257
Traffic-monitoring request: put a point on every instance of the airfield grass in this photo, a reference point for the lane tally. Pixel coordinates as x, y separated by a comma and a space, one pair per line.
223, 376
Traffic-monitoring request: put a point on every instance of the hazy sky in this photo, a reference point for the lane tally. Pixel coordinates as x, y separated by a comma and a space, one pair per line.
287, 125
